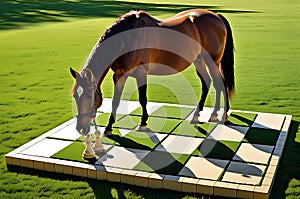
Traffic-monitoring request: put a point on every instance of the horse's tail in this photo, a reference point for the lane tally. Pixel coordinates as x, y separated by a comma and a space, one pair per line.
227, 62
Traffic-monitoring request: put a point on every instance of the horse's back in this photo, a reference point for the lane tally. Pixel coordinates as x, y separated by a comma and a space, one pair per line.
185, 15
202, 26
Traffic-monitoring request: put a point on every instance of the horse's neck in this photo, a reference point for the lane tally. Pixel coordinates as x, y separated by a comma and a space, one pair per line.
106, 51
99, 60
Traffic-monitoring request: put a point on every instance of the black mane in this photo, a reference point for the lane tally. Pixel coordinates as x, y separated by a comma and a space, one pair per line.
124, 23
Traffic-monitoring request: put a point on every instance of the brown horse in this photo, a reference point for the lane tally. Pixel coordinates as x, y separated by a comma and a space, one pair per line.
138, 45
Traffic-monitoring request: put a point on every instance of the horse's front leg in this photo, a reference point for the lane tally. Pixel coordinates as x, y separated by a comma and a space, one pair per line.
226, 106
88, 153
141, 80
119, 82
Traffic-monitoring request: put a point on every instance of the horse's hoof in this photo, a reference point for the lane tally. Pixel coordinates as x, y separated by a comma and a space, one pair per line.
143, 128
194, 120
213, 118
108, 132
225, 119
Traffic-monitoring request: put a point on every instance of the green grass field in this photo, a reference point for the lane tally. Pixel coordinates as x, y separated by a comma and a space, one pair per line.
39, 40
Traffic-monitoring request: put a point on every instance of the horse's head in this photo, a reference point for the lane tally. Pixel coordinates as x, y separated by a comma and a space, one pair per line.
88, 98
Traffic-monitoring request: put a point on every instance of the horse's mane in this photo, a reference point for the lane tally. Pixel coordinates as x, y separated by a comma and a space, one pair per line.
124, 23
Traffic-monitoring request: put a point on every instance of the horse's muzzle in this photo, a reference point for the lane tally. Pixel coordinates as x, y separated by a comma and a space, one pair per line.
83, 130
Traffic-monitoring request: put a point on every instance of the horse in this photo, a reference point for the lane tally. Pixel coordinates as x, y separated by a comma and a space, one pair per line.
139, 45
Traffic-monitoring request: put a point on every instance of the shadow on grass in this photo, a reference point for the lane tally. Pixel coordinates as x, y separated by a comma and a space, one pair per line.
289, 166
16, 13
105, 189
116, 190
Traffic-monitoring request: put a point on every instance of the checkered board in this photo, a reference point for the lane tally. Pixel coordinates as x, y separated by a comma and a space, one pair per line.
237, 159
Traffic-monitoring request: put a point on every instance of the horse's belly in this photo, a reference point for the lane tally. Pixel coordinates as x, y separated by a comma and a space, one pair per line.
167, 63
161, 69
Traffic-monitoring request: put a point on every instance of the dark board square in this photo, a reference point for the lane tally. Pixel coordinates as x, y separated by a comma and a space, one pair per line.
72, 152
127, 122
107, 140
135, 140
147, 139
241, 118
172, 112
194, 130
261, 136
163, 125
162, 162
155, 124
102, 120
217, 149
104, 139
137, 111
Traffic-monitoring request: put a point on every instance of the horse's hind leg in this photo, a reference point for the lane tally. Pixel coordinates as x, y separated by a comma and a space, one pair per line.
141, 80
119, 82
206, 81
220, 88
227, 107
218, 83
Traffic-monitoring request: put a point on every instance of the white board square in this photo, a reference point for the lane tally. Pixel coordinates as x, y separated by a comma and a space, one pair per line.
122, 157
244, 172
179, 144
269, 121
46, 147
255, 153
230, 133
206, 168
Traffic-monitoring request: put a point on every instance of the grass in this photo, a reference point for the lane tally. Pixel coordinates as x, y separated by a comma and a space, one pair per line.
41, 39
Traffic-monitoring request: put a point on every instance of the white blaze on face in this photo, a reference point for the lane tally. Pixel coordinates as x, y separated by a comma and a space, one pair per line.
79, 91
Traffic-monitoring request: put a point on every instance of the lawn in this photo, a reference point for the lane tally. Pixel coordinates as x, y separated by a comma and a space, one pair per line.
39, 40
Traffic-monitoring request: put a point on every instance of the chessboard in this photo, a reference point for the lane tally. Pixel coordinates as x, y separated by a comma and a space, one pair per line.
236, 159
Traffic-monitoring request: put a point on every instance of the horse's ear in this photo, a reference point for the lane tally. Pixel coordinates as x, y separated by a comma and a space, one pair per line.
89, 75
73, 73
